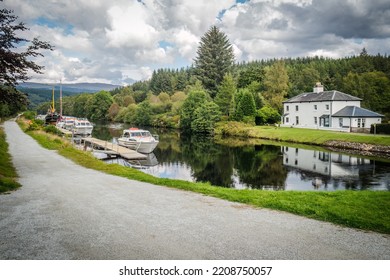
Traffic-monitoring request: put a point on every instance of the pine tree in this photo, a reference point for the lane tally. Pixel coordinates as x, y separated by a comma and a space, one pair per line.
226, 91
214, 59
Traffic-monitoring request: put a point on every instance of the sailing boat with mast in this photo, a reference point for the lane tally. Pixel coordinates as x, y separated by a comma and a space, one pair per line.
52, 116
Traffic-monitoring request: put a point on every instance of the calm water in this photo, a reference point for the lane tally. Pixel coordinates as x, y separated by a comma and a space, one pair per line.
237, 164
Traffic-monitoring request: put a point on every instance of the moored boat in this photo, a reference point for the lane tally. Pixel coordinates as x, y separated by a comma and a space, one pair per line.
52, 116
138, 139
81, 127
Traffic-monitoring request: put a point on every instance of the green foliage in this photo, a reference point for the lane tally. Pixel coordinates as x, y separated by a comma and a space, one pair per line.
29, 115
225, 94
276, 84
52, 129
12, 101
7, 171
244, 106
78, 107
196, 97
34, 125
99, 105
380, 128
372, 87
267, 115
214, 59
143, 115
205, 118
129, 113
15, 65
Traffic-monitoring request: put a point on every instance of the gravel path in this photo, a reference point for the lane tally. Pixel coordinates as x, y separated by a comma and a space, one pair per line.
64, 211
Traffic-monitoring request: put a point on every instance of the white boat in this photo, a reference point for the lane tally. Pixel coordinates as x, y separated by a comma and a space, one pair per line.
140, 140
69, 122
82, 127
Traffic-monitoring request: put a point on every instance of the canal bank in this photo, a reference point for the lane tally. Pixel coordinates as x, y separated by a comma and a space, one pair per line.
64, 211
364, 209
368, 143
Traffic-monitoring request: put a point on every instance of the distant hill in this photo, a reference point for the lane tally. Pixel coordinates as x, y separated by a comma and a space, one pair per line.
39, 93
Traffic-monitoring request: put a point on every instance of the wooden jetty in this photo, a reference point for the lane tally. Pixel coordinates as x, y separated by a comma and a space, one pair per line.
65, 131
112, 149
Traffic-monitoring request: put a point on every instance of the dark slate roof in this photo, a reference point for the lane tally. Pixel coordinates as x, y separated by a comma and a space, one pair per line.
332, 95
353, 111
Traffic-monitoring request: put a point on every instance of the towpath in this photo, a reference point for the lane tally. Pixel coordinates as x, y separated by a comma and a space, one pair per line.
64, 211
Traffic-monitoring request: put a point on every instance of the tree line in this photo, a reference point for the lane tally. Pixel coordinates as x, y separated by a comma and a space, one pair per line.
250, 92
214, 88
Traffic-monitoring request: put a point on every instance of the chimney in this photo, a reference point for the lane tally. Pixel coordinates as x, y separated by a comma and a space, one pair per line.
318, 88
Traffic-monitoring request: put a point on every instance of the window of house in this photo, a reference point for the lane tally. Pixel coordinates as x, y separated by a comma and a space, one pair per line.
359, 122
363, 122
296, 108
327, 106
315, 120
287, 120
296, 120
287, 108
340, 122
315, 107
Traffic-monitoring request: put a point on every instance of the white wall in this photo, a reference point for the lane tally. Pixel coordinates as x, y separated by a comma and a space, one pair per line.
307, 112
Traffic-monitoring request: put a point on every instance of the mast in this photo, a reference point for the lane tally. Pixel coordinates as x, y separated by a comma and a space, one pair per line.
61, 98
52, 101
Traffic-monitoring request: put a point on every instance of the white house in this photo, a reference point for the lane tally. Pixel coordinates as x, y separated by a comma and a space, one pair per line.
331, 110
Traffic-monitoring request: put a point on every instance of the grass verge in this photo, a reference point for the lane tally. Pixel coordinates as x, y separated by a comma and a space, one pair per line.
298, 135
8, 173
367, 210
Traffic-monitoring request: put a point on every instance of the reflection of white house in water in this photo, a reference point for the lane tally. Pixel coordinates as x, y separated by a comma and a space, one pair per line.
323, 163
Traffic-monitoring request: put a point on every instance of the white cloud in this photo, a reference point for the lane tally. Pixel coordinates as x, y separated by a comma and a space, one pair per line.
186, 42
120, 40
129, 27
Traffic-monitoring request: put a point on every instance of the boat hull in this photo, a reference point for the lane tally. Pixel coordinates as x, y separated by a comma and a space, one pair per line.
141, 147
52, 119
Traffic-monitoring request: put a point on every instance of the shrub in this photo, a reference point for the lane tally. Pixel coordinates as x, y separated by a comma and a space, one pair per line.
381, 128
29, 115
52, 129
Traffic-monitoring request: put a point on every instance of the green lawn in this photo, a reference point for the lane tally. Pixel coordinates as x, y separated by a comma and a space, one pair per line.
7, 171
368, 210
298, 135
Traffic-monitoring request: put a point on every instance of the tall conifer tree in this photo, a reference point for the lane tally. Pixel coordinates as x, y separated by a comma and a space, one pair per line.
214, 59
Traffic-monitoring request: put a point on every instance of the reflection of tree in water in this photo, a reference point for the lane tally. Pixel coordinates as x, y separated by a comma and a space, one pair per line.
210, 162
260, 166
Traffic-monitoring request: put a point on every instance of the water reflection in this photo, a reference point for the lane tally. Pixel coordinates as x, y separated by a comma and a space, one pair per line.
260, 166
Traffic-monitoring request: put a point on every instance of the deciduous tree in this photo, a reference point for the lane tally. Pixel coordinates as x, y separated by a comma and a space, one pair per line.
14, 65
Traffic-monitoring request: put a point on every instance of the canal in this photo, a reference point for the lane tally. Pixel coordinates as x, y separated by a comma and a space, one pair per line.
244, 164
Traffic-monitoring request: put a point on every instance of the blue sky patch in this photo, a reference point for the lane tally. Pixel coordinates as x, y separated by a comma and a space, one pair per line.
43, 21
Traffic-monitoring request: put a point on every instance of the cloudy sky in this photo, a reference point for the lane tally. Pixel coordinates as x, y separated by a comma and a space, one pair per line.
119, 41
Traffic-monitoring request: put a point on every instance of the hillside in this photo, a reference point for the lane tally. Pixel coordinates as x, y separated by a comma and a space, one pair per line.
39, 93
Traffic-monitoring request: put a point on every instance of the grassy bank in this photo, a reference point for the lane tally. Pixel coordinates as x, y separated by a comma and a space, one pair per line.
7, 171
361, 209
298, 135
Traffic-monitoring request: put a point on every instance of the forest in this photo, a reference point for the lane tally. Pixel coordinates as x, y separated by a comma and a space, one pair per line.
217, 88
